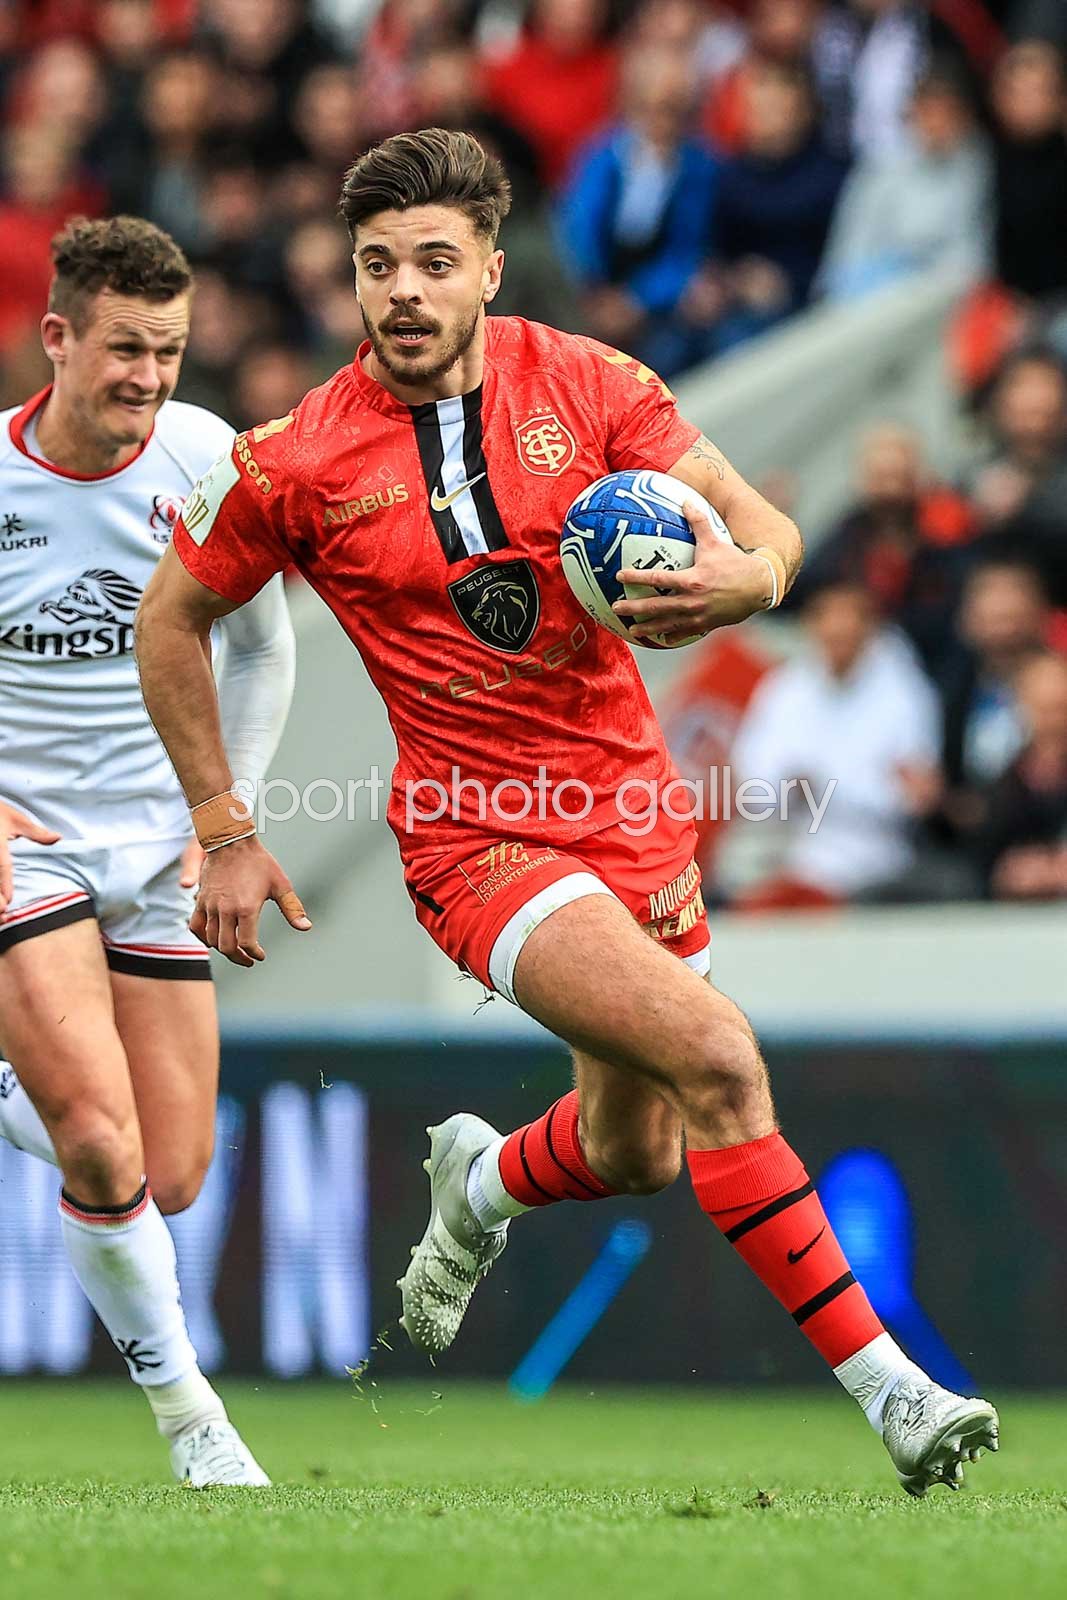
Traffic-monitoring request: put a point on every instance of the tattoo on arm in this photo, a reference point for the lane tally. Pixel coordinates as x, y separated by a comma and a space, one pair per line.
705, 452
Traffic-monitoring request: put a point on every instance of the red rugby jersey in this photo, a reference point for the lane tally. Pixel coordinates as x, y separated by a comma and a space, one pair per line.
432, 533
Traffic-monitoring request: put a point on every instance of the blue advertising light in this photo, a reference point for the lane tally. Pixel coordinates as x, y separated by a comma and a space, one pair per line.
626, 1245
864, 1197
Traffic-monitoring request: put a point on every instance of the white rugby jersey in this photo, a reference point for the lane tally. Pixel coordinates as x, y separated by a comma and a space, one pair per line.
77, 750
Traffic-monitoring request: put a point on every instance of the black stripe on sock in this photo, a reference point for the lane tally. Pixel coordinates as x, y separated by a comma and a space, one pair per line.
773, 1209
823, 1298
106, 1211
432, 457
526, 1167
573, 1176
474, 463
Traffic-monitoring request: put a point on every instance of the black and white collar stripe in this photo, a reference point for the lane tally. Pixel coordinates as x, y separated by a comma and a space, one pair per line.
449, 435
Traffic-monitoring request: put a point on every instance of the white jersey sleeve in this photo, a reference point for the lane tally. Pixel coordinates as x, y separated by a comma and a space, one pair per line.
255, 670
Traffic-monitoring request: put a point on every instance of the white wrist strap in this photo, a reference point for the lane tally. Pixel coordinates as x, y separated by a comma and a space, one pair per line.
775, 596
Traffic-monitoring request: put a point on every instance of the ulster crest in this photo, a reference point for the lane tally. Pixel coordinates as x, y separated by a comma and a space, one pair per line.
499, 603
545, 445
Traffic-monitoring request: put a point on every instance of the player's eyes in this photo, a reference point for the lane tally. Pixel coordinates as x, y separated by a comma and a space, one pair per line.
373, 268
441, 264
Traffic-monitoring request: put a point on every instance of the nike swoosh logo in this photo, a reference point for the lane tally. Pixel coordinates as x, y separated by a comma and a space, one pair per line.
441, 502
798, 1255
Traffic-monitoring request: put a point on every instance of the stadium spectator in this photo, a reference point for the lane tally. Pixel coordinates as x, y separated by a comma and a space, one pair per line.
776, 199
855, 718
271, 379
908, 540
1030, 148
557, 84
318, 274
328, 117
710, 35
1020, 492
61, 85
226, 320
1004, 623
781, 31
43, 183
1022, 848
400, 38
868, 55
158, 173
636, 216
266, 49
924, 208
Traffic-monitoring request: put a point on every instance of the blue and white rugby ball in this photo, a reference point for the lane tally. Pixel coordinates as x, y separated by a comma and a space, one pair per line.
630, 519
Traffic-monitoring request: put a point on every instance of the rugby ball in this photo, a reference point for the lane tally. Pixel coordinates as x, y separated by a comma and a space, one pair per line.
630, 519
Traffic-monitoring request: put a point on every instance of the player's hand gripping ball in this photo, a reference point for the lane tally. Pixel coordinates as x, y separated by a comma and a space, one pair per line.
631, 520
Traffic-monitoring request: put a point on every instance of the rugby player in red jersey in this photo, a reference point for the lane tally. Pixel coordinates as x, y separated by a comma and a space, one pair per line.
421, 492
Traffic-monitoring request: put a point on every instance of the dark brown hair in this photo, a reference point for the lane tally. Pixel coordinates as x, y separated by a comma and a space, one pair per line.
436, 166
124, 254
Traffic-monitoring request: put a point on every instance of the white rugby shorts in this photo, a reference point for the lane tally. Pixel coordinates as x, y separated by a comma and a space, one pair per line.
130, 890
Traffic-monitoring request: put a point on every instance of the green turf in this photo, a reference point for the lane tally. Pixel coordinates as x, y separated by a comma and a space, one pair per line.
453, 1493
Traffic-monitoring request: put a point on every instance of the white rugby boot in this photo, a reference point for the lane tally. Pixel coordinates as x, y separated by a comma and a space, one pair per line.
930, 1433
455, 1252
213, 1454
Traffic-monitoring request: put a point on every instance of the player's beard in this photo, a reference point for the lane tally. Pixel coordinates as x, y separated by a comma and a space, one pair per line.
415, 372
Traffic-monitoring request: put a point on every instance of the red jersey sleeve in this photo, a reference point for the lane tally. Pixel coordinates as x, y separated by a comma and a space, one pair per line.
644, 427
231, 532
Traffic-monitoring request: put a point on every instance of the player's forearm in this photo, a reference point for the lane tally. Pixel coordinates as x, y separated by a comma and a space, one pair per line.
756, 524
174, 660
753, 522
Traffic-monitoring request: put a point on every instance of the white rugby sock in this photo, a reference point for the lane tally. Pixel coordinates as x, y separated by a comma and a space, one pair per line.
20, 1122
123, 1257
871, 1375
486, 1195
189, 1402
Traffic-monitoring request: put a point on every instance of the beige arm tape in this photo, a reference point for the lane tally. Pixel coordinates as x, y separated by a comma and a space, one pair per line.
222, 820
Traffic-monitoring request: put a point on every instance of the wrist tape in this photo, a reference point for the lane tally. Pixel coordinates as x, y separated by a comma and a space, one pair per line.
222, 820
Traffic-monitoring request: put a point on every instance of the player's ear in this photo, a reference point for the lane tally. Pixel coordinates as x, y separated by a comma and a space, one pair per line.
355, 275
56, 336
494, 268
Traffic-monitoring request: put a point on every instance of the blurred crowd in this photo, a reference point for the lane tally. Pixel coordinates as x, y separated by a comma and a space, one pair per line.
687, 173
925, 689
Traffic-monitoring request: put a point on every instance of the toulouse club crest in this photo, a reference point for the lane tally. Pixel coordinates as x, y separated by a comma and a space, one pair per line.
546, 447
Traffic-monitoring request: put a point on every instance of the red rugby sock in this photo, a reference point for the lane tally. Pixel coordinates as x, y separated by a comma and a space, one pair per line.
761, 1198
543, 1162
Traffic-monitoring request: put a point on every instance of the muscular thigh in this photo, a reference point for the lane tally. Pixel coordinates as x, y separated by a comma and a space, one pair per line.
590, 974
169, 1028
57, 1024
596, 979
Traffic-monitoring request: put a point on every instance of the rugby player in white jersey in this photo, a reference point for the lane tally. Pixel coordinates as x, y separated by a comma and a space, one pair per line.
107, 1012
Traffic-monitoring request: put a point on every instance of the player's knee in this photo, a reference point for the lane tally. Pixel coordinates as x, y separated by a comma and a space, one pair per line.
99, 1151
731, 1072
176, 1194
176, 1187
636, 1167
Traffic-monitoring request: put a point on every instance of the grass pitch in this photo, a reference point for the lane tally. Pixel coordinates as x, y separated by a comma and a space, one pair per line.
456, 1493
